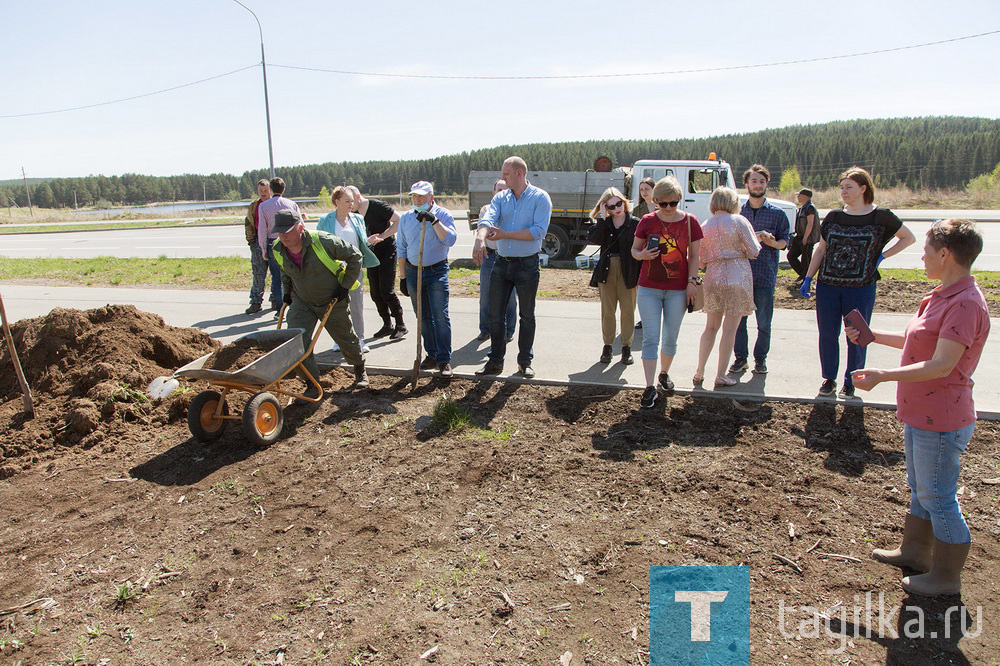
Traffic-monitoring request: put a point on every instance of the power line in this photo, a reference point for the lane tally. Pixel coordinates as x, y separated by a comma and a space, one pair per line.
636, 74
513, 78
126, 99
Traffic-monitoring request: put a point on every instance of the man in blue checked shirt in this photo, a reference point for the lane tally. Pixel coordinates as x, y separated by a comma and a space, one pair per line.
438, 227
771, 226
517, 219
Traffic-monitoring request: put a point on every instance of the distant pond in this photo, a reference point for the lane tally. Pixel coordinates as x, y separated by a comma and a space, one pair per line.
171, 208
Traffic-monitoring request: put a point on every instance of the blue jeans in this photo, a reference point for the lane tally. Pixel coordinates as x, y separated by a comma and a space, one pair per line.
275, 278
510, 275
763, 300
510, 318
435, 328
832, 303
258, 266
660, 310
932, 466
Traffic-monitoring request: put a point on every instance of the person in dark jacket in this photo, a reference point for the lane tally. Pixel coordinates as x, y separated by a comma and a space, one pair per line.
617, 271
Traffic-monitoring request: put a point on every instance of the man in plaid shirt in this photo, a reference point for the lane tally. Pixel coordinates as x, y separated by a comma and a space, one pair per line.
771, 226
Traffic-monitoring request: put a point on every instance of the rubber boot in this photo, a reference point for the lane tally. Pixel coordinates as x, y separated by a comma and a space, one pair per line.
945, 576
915, 550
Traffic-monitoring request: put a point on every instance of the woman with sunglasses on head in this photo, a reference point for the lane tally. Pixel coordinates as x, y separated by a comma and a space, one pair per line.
730, 242
668, 244
617, 271
845, 261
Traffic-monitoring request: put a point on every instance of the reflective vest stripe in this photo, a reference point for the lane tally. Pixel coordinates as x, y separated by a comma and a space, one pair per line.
335, 266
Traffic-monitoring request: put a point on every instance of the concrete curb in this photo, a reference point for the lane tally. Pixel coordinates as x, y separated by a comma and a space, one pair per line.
698, 393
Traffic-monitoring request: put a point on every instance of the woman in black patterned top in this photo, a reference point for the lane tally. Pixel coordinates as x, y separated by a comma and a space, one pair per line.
852, 244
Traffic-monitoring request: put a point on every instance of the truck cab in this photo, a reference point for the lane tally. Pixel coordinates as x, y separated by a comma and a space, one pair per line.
697, 179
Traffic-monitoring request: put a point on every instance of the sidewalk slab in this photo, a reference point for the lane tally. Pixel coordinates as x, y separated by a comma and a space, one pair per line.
567, 342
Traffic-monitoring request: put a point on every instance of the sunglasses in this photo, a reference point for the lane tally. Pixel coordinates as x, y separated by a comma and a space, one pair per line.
667, 204
612, 206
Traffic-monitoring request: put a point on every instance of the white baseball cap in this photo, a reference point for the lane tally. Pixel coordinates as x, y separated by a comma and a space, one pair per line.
421, 187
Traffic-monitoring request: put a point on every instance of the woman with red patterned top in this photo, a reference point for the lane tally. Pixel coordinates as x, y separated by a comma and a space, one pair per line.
941, 347
668, 243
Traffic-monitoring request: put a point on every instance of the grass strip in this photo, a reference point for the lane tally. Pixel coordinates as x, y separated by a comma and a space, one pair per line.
227, 273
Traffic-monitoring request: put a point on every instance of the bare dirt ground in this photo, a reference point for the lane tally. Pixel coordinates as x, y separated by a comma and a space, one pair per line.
893, 295
374, 533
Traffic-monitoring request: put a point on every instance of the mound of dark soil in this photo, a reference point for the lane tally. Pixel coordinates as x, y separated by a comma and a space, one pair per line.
87, 370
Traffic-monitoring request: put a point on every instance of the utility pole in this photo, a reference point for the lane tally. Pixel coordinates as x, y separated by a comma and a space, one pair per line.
74, 200
27, 193
204, 197
263, 69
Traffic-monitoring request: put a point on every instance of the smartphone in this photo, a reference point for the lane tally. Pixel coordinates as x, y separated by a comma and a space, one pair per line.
653, 242
858, 323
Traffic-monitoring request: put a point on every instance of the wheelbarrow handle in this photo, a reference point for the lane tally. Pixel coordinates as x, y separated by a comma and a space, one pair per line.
319, 329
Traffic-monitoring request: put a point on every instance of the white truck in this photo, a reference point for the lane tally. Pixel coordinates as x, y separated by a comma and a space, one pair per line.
574, 194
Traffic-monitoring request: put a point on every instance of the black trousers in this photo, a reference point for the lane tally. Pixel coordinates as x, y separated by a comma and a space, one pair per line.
382, 279
799, 255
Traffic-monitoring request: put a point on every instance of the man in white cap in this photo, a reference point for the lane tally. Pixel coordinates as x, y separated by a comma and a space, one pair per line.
439, 234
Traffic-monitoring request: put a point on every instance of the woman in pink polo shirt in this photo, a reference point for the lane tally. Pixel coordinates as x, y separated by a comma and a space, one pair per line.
941, 348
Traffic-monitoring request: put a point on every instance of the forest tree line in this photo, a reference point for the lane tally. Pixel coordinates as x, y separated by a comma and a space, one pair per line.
920, 153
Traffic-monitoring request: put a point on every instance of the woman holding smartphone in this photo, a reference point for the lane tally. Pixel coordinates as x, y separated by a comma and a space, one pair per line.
667, 243
941, 347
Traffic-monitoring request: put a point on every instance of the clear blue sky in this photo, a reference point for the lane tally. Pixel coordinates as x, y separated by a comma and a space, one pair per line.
63, 54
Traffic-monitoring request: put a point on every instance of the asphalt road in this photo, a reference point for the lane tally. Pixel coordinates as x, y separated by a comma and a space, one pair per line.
229, 241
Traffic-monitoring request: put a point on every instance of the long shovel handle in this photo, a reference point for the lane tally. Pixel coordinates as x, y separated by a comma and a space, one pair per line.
420, 302
29, 405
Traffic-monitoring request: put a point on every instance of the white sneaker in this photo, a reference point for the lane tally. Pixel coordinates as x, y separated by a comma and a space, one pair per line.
365, 348
336, 347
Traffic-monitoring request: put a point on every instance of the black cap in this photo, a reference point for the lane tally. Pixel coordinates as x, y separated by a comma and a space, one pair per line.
806, 191
285, 219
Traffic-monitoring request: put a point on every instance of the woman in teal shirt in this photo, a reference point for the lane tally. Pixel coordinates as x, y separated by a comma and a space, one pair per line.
351, 227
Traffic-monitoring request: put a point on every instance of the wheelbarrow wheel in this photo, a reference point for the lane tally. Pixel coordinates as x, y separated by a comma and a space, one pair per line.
263, 419
201, 416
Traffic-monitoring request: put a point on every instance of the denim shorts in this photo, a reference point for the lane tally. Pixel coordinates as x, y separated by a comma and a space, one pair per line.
932, 467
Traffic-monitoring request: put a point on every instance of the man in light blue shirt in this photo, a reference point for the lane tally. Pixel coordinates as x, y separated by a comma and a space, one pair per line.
517, 219
437, 226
